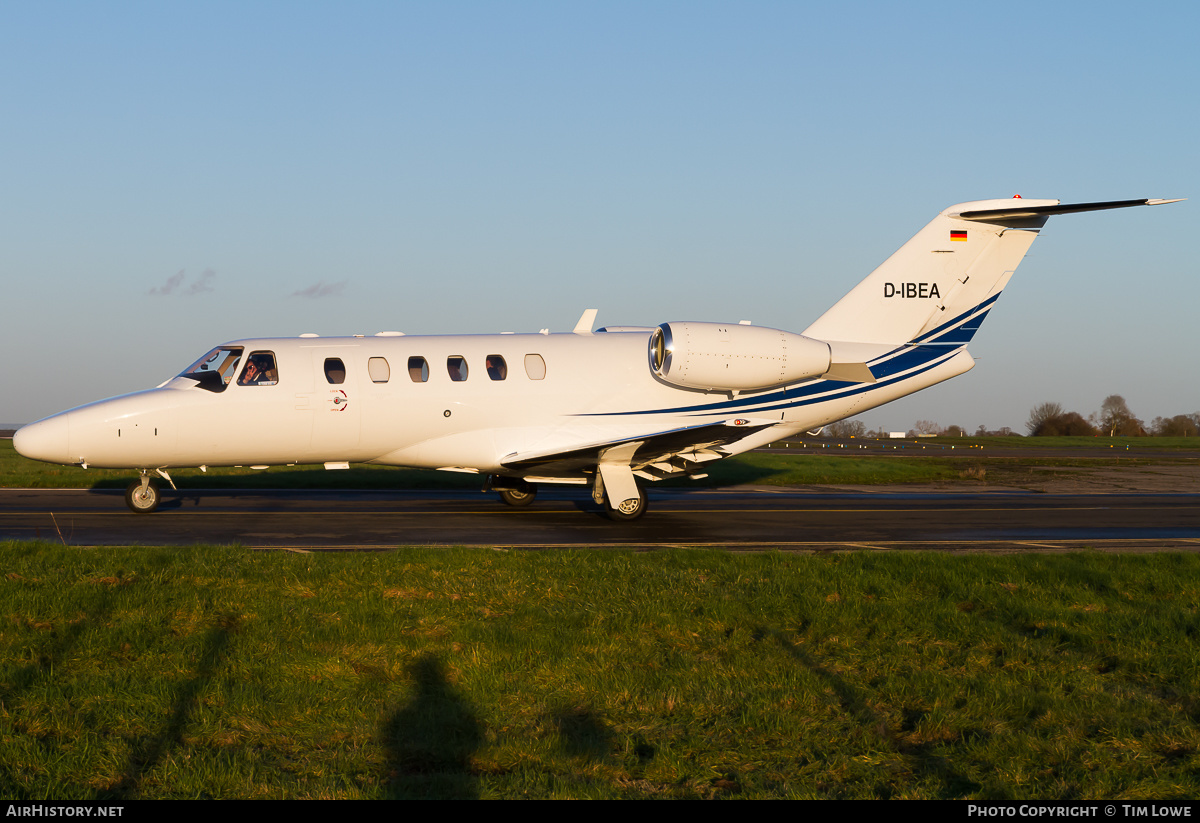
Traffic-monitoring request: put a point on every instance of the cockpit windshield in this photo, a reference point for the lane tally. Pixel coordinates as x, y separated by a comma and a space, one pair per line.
214, 370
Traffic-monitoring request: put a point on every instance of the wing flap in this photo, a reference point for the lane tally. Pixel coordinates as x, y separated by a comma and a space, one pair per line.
657, 453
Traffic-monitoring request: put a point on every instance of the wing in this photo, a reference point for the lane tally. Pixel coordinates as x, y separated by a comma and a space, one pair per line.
653, 455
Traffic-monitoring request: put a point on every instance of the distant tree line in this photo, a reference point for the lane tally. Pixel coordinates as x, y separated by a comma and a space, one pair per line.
844, 429
1113, 420
1181, 425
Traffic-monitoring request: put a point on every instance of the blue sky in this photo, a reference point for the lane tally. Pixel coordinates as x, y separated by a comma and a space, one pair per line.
176, 175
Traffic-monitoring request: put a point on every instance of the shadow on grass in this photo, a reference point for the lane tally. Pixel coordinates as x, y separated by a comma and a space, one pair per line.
47, 657
430, 742
728, 472
920, 756
42, 664
149, 751
583, 734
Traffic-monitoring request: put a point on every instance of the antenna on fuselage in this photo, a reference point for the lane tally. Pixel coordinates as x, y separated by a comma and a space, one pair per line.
586, 321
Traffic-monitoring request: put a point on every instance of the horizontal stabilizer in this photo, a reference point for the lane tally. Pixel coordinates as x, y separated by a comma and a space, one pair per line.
1018, 211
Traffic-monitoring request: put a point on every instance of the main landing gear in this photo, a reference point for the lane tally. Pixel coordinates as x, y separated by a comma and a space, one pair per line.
520, 499
142, 496
629, 509
618, 491
517, 492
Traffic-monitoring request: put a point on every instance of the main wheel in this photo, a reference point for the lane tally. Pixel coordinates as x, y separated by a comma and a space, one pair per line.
521, 496
630, 509
142, 499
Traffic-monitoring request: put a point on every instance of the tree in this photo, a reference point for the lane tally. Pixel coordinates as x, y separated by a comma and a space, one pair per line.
1072, 424
1181, 425
1116, 418
1060, 423
925, 427
1041, 414
846, 428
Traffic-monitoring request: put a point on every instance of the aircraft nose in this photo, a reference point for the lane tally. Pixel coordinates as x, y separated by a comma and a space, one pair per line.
45, 440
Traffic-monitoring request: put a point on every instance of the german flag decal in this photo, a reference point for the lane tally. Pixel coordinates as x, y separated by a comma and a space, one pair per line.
958, 235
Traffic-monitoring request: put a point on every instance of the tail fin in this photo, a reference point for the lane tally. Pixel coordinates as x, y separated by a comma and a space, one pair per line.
941, 284
951, 267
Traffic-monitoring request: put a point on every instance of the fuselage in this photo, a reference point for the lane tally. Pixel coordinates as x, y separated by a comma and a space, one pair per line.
460, 402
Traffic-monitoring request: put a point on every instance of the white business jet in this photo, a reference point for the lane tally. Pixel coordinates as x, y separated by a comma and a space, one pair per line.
610, 408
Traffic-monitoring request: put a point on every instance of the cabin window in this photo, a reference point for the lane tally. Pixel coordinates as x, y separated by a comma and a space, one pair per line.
260, 370
456, 367
535, 367
213, 371
497, 369
335, 370
379, 370
418, 370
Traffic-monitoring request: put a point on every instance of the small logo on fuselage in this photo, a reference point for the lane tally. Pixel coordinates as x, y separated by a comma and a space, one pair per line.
917, 290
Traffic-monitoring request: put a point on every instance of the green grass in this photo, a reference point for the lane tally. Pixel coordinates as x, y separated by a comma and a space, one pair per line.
1114, 443
810, 467
220, 672
790, 468
19, 472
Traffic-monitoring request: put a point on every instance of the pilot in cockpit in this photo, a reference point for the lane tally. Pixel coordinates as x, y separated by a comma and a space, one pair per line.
260, 371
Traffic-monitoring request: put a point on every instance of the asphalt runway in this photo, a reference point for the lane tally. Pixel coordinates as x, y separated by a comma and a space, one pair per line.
735, 519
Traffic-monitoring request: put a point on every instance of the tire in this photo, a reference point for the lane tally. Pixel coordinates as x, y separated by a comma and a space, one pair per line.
142, 499
630, 509
519, 497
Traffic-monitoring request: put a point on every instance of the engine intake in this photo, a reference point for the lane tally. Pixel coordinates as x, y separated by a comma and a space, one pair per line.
733, 357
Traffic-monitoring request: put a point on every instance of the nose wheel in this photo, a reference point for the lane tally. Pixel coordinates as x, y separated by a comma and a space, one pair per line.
142, 496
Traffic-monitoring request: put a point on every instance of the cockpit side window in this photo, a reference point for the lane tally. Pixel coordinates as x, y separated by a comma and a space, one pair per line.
260, 370
213, 371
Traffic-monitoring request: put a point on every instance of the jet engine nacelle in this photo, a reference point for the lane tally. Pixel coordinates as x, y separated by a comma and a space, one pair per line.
734, 357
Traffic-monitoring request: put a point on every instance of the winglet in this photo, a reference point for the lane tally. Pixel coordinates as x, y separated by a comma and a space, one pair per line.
586, 320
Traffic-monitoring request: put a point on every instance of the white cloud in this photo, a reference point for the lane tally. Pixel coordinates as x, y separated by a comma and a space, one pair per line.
174, 284
321, 289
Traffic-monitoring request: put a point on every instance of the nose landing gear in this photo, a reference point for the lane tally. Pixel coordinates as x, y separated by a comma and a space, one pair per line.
142, 496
